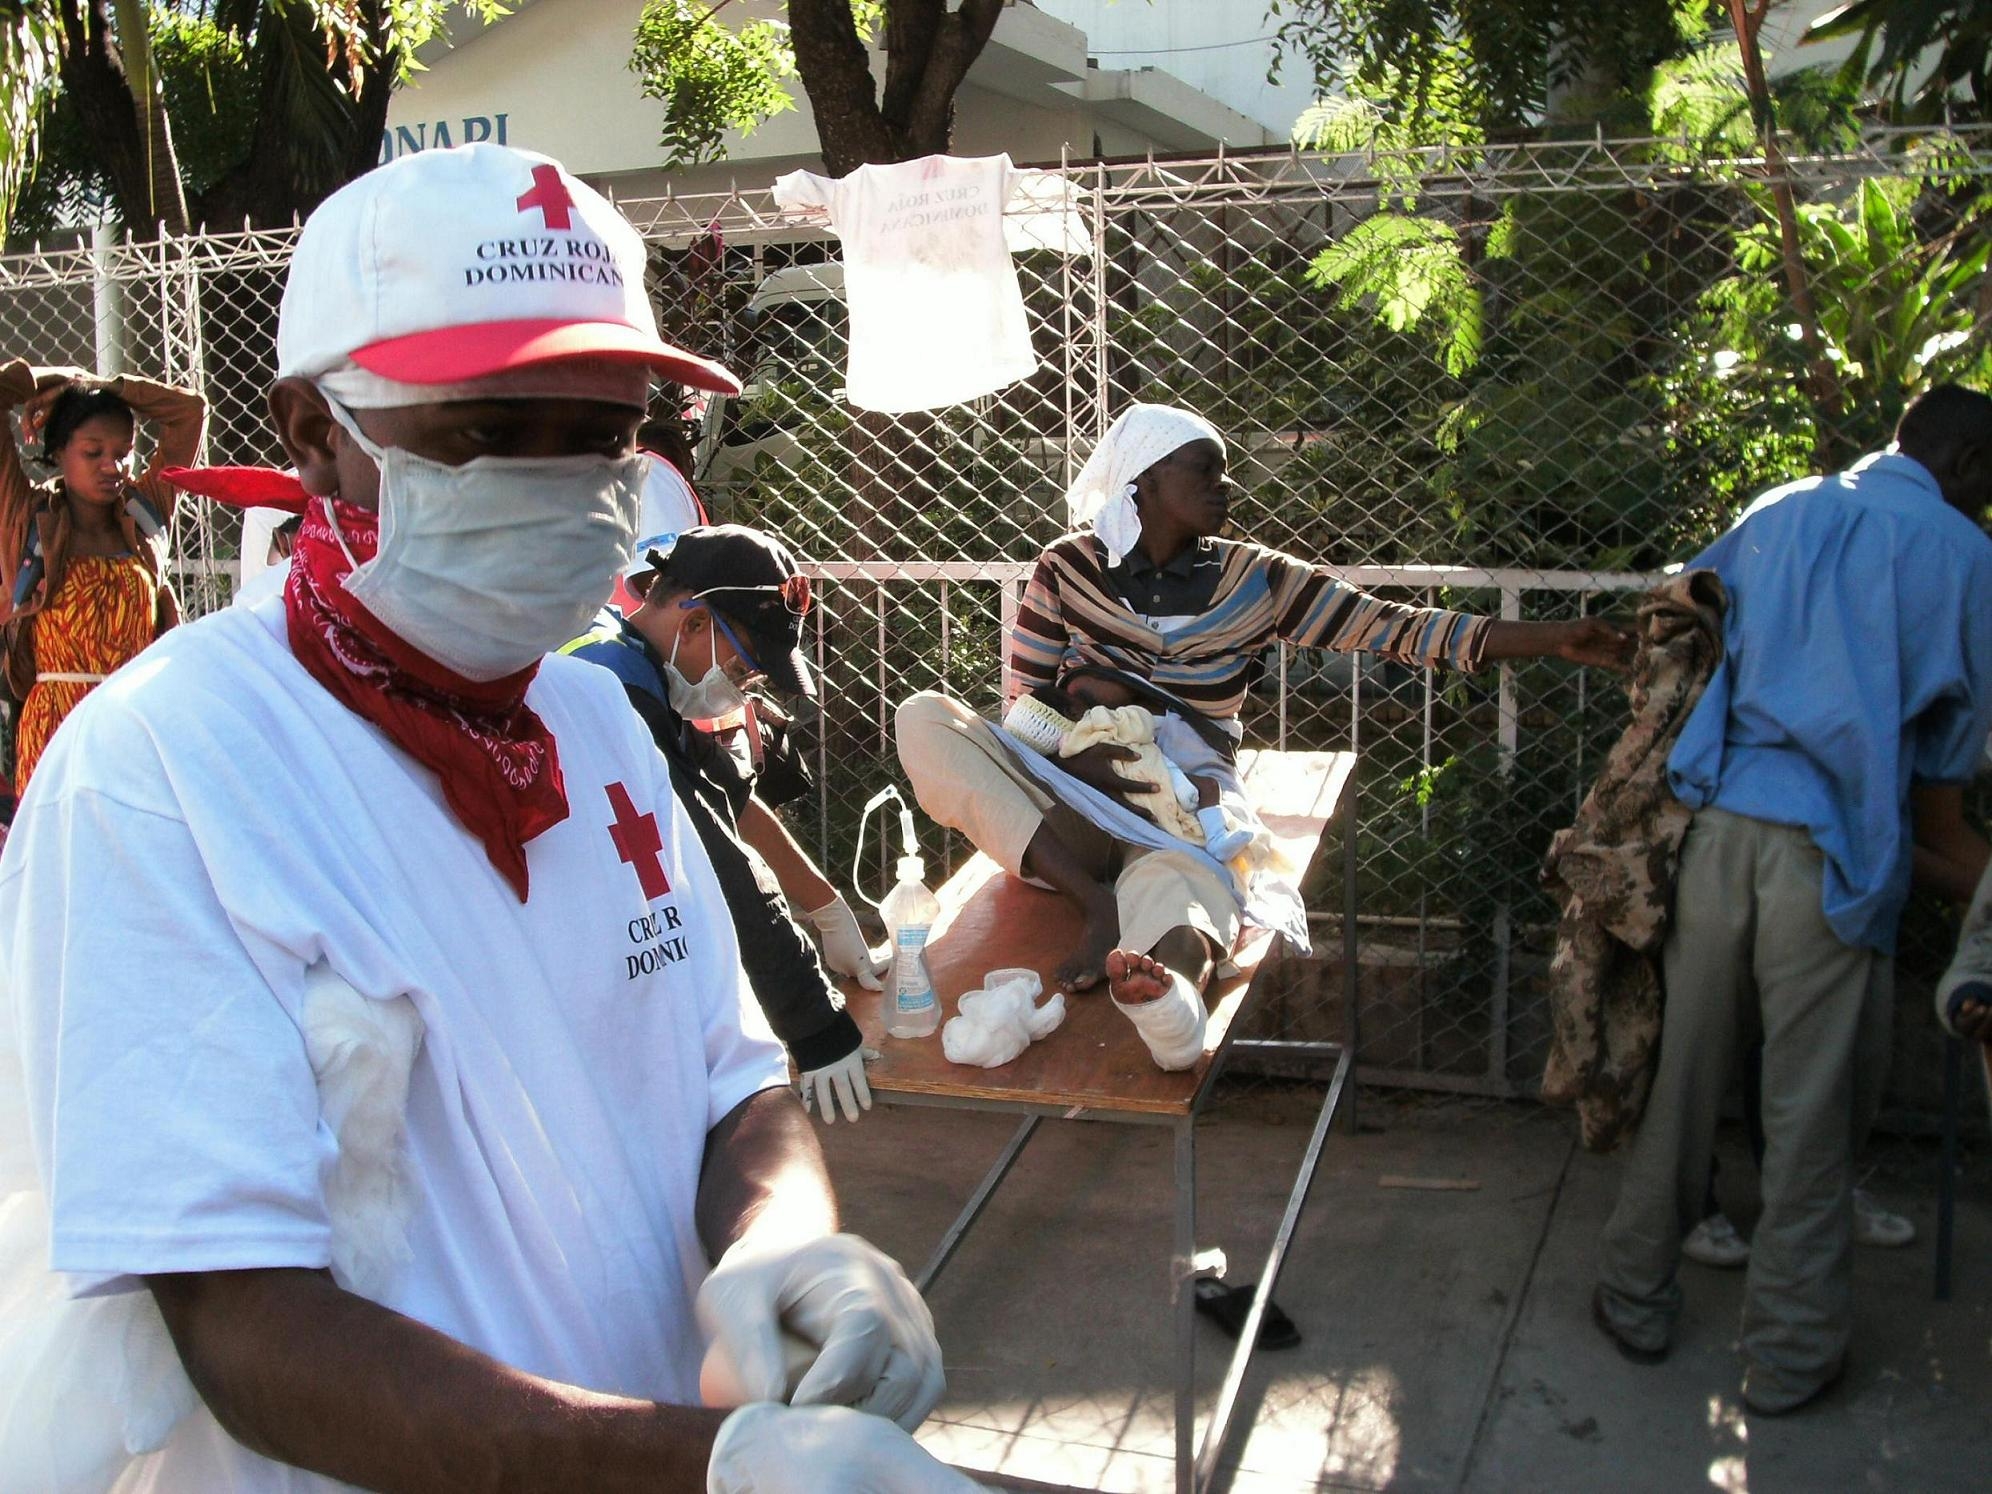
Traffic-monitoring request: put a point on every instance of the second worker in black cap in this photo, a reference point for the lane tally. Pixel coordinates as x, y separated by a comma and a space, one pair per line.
719, 613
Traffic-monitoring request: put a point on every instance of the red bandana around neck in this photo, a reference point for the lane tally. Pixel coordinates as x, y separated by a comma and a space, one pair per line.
498, 763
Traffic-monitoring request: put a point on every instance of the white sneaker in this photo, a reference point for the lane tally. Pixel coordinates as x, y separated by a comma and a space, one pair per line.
1874, 1225
1714, 1242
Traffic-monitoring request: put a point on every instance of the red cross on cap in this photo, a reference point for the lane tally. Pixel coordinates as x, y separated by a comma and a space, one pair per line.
549, 194
637, 842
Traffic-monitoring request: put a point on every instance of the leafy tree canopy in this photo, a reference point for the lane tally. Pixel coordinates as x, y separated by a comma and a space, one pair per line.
185, 112
1496, 65
713, 76
1897, 39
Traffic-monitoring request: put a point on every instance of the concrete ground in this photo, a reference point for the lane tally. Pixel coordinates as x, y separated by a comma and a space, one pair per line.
1447, 1337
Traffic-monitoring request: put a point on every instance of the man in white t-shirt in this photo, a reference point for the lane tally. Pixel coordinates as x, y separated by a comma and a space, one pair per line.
595, 1111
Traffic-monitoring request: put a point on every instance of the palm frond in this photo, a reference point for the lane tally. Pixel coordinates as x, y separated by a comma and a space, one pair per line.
30, 37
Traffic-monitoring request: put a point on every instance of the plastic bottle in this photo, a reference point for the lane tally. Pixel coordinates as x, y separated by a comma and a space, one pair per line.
909, 910
911, 1008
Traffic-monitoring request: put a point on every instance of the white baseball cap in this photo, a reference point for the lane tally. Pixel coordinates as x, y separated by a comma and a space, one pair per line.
447, 266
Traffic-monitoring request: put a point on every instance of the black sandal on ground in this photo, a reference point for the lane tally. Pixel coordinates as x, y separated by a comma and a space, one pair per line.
1226, 1305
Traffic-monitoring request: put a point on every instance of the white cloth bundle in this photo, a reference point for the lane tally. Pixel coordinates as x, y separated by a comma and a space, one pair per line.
1001, 1020
1140, 436
1133, 727
87, 1384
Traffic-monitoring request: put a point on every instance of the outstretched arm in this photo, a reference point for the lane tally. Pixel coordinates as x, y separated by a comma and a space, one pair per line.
764, 1175
803, 884
1317, 609
304, 1372
1587, 640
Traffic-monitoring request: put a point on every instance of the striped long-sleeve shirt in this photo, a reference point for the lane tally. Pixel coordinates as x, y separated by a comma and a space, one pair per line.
1073, 614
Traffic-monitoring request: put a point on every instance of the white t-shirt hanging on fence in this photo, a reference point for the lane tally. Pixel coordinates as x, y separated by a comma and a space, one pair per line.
937, 317
210, 825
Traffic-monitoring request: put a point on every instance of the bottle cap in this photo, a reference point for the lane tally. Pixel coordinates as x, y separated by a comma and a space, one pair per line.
912, 869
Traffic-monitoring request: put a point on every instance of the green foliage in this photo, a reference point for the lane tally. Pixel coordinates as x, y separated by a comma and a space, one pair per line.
1409, 272
1398, 145
1699, 101
1442, 112
207, 77
1698, 108
231, 73
1624, 374
1896, 307
29, 52
1895, 38
710, 77
1490, 63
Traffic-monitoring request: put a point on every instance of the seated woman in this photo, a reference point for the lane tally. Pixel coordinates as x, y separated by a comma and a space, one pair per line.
82, 558
1146, 590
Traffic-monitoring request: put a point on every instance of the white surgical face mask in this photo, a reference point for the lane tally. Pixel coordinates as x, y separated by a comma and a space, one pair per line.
714, 696
489, 566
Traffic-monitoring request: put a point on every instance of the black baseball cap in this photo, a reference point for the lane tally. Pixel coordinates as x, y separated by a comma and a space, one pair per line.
749, 578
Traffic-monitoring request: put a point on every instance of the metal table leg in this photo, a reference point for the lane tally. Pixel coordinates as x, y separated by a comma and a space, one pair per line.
1269, 1276
1947, 1154
1182, 1273
967, 1216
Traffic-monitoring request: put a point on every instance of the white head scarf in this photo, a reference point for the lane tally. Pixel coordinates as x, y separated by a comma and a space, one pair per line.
1102, 495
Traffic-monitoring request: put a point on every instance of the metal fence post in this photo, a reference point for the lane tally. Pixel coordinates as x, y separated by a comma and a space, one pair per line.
107, 299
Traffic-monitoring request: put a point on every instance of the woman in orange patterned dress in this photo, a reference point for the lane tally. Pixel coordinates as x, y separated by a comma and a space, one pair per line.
82, 558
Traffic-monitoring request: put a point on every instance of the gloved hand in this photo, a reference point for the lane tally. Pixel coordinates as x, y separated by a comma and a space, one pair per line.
842, 1080
844, 947
875, 1338
766, 1449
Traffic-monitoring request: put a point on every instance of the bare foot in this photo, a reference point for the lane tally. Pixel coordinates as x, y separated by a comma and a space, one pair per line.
1096, 941
1134, 978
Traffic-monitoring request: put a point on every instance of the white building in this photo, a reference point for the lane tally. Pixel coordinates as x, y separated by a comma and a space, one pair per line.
554, 77
1220, 47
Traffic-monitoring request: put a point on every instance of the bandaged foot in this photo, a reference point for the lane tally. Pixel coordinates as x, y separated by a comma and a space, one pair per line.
1220, 839
1164, 1007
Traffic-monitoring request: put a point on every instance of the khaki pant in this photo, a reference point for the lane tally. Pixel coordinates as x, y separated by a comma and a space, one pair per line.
1750, 951
965, 778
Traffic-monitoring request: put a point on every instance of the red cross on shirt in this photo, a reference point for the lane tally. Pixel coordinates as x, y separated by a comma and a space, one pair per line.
549, 195
638, 842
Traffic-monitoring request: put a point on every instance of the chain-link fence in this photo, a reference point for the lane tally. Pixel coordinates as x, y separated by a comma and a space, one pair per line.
1517, 380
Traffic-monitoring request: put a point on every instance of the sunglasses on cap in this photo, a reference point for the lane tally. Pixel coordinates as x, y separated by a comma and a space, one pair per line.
794, 593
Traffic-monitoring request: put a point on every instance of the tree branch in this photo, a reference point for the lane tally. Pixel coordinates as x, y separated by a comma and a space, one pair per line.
911, 27
1748, 17
145, 183
370, 100
836, 75
930, 122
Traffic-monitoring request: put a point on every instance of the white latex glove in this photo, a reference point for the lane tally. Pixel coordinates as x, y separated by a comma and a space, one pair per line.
844, 947
841, 1081
875, 1338
767, 1449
